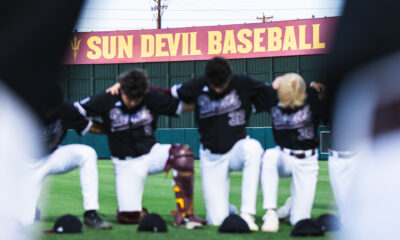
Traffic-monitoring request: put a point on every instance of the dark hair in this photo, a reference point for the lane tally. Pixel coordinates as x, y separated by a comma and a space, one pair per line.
134, 83
218, 71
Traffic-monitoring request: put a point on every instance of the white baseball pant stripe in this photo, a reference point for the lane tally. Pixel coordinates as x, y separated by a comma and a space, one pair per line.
304, 173
131, 174
215, 168
65, 159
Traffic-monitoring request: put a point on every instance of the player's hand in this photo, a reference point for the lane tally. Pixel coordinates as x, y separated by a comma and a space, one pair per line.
275, 83
97, 127
320, 88
114, 89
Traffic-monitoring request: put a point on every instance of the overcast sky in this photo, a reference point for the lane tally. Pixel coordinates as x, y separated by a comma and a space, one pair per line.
110, 15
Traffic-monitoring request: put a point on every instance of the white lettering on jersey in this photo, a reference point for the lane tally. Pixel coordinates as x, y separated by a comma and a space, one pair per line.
120, 121
300, 120
209, 108
237, 118
141, 118
294, 120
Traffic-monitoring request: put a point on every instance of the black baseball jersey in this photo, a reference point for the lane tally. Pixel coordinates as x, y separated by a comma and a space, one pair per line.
296, 128
222, 118
56, 126
130, 131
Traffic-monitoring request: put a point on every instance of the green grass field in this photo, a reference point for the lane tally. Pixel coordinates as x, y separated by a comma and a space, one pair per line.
62, 195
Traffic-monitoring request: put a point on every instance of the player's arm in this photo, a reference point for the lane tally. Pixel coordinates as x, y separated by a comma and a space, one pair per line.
74, 120
320, 88
95, 105
114, 89
261, 94
166, 104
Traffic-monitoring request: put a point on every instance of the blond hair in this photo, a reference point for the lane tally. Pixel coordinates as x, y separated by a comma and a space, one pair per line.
292, 90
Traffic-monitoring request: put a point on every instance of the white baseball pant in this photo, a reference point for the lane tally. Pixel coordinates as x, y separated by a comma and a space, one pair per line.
215, 168
65, 159
131, 173
372, 206
18, 147
304, 172
342, 168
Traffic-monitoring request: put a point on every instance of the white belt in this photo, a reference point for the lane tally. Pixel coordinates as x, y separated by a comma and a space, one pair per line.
341, 154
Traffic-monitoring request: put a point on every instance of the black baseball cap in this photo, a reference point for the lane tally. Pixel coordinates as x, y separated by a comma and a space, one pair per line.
307, 227
329, 222
234, 224
152, 223
67, 224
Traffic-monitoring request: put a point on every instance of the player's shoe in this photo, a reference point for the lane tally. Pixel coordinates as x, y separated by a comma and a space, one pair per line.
193, 222
249, 219
271, 221
284, 210
93, 220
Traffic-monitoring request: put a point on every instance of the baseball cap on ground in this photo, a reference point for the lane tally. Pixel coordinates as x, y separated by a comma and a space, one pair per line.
329, 222
67, 224
234, 224
307, 227
152, 223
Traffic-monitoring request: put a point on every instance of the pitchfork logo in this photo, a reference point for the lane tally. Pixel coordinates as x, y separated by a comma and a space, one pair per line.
75, 46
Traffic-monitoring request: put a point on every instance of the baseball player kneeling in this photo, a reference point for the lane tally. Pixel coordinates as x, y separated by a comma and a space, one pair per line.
294, 121
130, 119
59, 117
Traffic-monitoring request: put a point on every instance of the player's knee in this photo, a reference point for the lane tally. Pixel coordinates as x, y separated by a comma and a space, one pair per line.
270, 157
253, 146
180, 158
253, 150
89, 154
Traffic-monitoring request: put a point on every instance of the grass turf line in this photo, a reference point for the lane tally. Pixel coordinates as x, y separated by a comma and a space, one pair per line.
62, 195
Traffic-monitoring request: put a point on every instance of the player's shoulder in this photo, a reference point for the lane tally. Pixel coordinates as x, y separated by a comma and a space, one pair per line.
198, 81
242, 79
154, 94
103, 97
67, 111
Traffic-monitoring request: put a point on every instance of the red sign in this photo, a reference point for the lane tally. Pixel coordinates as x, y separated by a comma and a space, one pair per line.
271, 39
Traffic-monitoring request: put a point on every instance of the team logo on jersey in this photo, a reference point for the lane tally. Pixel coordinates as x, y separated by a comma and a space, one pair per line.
120, 121
293, 120
300, 120
209, 107
141, 118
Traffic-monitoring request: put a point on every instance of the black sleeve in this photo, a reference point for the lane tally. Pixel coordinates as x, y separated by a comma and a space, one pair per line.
265, 98
317, 106
162, 103
187, 90
94, 105
72, 119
